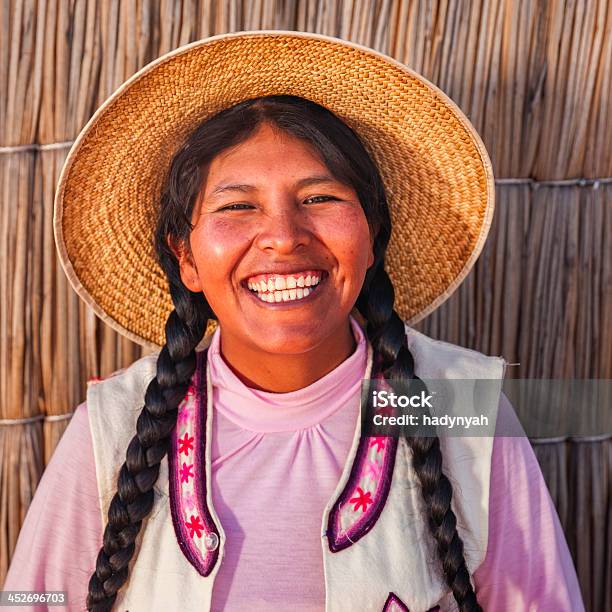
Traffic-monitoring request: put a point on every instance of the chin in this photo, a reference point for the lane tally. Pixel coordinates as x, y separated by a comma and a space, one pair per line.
300, 339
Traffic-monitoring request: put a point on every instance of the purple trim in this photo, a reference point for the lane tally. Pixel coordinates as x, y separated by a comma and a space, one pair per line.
204, 563
339, 540
394, 604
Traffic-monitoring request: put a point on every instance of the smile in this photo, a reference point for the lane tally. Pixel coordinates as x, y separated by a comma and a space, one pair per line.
275, 288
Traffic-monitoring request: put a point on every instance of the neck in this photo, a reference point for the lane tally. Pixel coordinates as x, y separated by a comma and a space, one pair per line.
282, 373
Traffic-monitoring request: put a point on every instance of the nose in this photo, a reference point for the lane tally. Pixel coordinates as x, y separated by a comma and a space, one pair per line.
284, 231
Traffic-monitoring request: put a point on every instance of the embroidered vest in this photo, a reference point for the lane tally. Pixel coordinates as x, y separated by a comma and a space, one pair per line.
378, 553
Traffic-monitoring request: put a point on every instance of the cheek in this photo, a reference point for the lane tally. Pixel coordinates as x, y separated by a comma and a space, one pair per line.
348, 239
216, 246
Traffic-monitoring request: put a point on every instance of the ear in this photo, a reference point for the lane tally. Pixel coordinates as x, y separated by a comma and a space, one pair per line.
371, 250
188, 270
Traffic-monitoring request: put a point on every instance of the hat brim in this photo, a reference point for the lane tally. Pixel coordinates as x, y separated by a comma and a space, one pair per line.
435, 168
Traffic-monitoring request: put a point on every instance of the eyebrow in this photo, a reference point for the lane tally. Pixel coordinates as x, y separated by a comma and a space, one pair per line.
245, 188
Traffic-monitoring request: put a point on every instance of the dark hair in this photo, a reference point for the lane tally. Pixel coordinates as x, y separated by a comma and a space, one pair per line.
348, 160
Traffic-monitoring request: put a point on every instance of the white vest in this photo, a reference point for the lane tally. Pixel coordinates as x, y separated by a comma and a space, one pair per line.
378, 556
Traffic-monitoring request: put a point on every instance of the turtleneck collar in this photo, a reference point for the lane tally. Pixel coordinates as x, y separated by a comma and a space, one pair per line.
266, 412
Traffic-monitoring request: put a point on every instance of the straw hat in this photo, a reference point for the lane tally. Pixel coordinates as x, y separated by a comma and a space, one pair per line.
436, 171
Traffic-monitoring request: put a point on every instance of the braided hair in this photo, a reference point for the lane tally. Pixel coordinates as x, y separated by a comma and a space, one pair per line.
347, 159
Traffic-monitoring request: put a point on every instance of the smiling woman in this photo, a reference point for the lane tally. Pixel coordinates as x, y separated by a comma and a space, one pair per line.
295, 236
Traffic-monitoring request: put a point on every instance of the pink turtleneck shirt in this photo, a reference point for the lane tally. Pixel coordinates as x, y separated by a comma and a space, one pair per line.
276, 460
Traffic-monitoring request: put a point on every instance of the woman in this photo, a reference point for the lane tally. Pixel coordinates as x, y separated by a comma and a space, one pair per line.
248, 484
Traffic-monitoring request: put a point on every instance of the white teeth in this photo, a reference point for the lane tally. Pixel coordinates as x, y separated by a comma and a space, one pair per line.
284, 289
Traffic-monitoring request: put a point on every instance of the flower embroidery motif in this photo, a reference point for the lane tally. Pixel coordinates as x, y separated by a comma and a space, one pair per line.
185, 444
189, 395
189, 500
185, 413
379, 443
362, 499
372, 469
186, 472
195, 526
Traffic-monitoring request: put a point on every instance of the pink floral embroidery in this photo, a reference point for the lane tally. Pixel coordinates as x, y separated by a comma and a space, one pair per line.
379, 443
359, 506
189, 500
185, 414
191, 517
373, 469
185, 444
186, 472
363, 498
195, 526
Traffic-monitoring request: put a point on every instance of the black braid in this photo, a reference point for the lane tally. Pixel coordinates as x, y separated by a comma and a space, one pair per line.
133, 501
393, 358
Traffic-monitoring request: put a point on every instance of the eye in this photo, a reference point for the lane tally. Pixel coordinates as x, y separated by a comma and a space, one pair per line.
239, 206
321, 198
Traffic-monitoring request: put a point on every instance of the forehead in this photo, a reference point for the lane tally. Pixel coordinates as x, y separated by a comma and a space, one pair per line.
267, 151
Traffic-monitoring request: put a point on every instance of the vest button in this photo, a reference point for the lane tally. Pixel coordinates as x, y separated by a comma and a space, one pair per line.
211, 541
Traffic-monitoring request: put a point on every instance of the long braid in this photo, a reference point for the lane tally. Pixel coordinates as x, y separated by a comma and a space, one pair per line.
133, 501
386, 332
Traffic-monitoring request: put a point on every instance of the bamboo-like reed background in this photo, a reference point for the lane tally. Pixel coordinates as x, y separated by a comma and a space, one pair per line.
534, 77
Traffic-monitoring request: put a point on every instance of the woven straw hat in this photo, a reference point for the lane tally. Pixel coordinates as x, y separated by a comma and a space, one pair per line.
436, 171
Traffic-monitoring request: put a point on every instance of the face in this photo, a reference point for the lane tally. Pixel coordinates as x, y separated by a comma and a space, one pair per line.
280, 248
